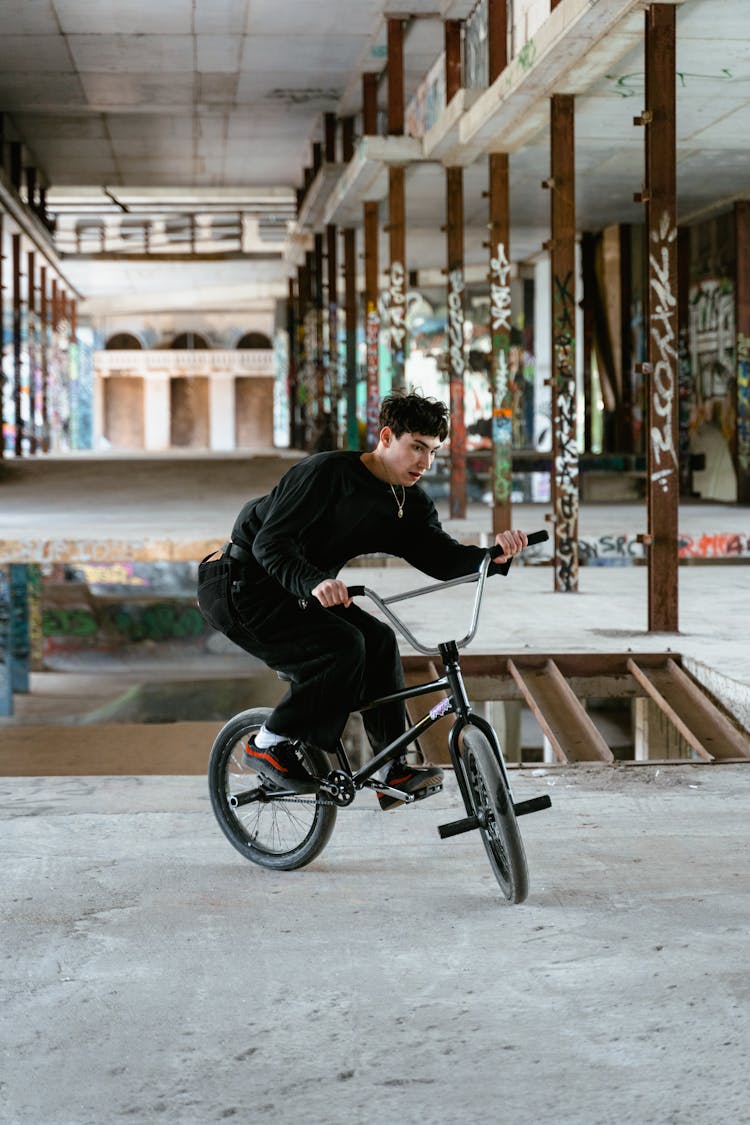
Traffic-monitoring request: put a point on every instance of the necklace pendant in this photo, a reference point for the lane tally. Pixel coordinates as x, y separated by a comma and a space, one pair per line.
400, 512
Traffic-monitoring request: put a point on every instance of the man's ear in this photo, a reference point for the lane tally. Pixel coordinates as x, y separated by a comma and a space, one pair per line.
386, 435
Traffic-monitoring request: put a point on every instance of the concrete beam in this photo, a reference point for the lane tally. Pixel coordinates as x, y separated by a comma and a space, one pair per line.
575, 46
365, 179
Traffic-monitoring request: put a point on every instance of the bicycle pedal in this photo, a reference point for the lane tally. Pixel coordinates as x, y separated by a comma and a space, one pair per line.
428, 790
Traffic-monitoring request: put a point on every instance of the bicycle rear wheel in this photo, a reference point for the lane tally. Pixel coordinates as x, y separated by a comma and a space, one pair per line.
275, 831
494, 808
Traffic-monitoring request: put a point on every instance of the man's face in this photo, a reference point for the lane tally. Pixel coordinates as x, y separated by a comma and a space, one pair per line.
408, 456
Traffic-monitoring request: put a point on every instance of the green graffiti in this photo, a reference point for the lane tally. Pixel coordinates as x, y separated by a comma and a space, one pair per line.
68, 623
527, 54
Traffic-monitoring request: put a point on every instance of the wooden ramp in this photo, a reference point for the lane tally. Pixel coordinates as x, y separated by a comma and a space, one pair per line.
699, 721
560, 714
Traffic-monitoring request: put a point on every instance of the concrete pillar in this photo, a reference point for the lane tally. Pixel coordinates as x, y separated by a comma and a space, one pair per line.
221, 405
156, 409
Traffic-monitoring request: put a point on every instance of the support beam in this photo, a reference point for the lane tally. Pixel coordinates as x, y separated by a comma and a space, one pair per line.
332, 358
291, 330
661, 226
500, 325
350, 316
6, 645
3, 419
44, 312
455, 356
350, 302
372, 321
742, 292
320, 371
396, 209
18, 422
564, 447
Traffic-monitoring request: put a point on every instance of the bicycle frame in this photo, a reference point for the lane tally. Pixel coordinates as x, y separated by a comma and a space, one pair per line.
457, 701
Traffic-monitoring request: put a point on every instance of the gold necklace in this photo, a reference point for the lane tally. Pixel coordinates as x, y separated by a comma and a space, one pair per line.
400, 506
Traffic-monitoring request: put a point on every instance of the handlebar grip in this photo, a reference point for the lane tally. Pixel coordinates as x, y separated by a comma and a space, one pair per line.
355, 591
533, 538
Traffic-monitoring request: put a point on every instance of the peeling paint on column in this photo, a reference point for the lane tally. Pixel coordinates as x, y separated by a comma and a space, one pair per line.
566, 461
664, 463
502, 410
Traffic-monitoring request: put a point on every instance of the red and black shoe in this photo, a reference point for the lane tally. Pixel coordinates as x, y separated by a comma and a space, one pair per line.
422, 781
281, 764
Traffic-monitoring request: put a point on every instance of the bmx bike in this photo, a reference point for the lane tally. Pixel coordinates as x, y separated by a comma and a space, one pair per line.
280, 829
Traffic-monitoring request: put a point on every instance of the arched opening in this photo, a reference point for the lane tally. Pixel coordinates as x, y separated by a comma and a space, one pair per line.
190, 342
123, 342
255, 340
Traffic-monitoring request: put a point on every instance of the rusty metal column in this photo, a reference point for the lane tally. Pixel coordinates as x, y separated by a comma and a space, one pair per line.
332, 357
742, 298
563, 275
661, 227
17, 389
396, 209
44, 356
303, 392
3, 419
291, 384
372, 318
320, 371
350, 303
500, 306
454, 227
33, 346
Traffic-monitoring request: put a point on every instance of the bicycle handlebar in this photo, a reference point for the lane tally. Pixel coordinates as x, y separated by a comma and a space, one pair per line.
479, 576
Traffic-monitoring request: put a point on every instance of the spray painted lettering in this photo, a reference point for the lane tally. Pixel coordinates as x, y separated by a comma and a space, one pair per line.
664, 455
743, 402
373, 373
566, 448
456, 368
502, 411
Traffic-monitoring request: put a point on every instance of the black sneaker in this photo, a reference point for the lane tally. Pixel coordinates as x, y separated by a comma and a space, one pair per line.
280, 764
419, 780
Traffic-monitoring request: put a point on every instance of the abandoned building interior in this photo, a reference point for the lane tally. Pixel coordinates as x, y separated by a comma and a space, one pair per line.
228, 228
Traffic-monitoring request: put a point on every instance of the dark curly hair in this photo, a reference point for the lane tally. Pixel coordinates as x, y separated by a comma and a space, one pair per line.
414, 414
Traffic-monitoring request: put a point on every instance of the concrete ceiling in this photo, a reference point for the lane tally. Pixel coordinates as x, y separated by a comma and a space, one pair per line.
210, 96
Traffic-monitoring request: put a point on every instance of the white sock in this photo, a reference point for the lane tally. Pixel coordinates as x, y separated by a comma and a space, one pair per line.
265, 738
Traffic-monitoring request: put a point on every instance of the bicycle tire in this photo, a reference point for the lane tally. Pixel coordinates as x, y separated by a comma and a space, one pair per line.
499, 829
282, 833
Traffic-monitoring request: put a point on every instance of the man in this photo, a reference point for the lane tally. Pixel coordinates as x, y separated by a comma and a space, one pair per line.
275, 589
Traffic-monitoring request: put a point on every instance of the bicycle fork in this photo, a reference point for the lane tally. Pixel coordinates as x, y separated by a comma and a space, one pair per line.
466, 717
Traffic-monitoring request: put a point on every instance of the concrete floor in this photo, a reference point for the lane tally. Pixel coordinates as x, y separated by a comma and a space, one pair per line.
150, 973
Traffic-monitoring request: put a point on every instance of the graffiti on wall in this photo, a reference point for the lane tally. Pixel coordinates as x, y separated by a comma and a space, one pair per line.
664, 463
712, 353
566, 448
743, 402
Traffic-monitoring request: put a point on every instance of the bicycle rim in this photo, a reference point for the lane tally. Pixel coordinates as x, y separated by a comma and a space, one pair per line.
494, 806
278, 832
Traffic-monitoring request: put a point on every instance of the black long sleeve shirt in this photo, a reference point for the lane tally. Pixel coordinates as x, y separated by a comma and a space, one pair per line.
328, 509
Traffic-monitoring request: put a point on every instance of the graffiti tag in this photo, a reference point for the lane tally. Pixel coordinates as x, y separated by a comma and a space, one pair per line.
663, 451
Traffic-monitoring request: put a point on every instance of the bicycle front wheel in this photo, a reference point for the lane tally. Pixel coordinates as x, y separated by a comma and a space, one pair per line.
275, 831
494, 809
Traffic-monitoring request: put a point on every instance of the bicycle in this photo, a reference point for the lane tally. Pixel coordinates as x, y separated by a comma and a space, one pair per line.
279, 829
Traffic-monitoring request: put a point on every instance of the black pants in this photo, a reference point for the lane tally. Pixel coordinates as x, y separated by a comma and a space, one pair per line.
336, 658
